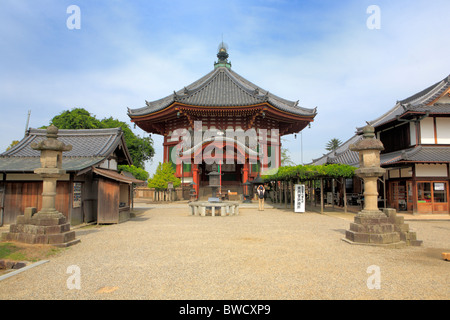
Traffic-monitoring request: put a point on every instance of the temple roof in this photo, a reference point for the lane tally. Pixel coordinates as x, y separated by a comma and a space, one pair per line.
420, 103
342, 154
222, 87
419, 154
90, 147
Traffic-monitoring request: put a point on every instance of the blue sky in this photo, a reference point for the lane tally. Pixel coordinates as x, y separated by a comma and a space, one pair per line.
318, 52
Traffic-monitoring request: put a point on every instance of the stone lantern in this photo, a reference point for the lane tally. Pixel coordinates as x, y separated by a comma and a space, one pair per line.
51, 169
372, 226
48, 226
369, 169
214, 183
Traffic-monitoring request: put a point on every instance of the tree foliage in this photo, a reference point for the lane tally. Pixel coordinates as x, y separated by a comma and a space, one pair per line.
13, 144
77, 118
333, 144
164, 174
138, 173
140, 149
310, 172
286, 158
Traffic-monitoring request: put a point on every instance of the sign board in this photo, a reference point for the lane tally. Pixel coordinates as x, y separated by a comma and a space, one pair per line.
439, 186
329, 197
170, 185
76, 195
299, 205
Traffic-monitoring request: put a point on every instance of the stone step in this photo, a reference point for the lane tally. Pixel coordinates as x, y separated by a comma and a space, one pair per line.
372, 228
383, 238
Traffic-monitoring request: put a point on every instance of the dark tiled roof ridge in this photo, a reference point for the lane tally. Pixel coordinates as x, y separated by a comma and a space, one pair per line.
420, 99
442, 85
251, 94
206, 84
85, 142
78, 132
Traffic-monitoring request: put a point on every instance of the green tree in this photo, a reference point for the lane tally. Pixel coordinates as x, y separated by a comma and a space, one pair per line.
12, 144
333, 144
77, 118
164, 174
286, 158
138, 173
140, 149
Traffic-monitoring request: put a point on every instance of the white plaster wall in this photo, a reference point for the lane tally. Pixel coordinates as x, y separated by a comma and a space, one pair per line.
394, 173
431, 170
427, 131
443, 130
406, 172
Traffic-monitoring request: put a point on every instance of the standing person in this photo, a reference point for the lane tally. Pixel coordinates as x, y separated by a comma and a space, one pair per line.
261, 192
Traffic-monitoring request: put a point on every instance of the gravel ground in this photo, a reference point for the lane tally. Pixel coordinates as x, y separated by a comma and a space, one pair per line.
165, 253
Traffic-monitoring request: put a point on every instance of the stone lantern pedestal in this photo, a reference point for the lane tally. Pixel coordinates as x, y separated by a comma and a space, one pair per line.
372, 226
48, 226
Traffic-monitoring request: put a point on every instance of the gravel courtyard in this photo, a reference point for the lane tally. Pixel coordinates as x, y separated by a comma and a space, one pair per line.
165, 253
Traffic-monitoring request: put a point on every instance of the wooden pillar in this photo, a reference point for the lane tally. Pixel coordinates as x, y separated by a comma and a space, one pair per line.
314, 191
332, 193
195, 178
245, 172
414, 189
285, 193
344, 186
321, 195
280, 190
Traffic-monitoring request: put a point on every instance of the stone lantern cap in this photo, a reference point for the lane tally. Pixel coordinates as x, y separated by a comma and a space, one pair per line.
369, 142
51, 153
51, 143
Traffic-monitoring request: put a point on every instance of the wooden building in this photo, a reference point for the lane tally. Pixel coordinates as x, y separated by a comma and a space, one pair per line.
416, 137
223, 101
91, 190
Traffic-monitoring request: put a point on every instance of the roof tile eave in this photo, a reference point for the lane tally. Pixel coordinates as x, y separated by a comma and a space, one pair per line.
240, 92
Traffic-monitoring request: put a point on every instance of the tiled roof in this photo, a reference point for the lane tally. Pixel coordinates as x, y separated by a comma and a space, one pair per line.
342, 154
222, 87
420, 154
417, 103
425, 154
429, 94
117, 176
89, 148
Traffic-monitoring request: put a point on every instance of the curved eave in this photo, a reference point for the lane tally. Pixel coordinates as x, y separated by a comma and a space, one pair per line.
221, 88
176, 106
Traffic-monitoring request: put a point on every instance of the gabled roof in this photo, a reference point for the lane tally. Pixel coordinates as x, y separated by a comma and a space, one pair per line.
420, 154
418, 103
342, 154
89, 148
122, 177
222, 87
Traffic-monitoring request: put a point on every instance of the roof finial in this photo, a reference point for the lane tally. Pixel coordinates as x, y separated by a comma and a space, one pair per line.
222, 55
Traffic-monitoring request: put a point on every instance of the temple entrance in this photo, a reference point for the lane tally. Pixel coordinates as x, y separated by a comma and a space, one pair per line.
231, 179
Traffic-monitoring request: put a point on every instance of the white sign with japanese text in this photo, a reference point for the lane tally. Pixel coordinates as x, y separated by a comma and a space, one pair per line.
299, 205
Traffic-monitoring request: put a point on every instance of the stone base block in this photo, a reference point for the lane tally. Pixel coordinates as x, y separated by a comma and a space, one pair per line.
39, 228
377, 228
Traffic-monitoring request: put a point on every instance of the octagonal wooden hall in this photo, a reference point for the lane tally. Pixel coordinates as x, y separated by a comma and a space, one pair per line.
222, 100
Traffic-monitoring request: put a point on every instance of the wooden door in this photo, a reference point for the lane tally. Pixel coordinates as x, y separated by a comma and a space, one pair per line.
108, 201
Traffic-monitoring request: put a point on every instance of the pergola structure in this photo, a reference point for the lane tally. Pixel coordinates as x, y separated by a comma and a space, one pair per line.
221, 100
